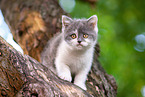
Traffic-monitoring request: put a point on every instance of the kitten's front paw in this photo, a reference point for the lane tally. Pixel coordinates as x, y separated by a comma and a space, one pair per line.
83, 86
65, 76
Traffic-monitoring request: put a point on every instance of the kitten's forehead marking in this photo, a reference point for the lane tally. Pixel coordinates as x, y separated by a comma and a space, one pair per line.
76, 31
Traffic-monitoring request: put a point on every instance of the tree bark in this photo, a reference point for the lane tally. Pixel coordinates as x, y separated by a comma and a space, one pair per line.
33, 23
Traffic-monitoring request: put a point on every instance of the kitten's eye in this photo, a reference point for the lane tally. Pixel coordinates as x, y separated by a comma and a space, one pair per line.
85, 35
73, 36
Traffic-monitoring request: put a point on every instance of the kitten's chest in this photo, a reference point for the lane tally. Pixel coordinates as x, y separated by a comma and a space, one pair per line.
76, 62
75, 59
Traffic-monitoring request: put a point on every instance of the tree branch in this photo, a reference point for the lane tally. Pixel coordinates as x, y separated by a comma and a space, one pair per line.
22, 75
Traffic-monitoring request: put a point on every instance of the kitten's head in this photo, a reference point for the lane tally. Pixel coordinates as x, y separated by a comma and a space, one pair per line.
80, 33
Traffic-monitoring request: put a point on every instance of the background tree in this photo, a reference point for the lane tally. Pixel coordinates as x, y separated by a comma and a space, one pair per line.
122, 41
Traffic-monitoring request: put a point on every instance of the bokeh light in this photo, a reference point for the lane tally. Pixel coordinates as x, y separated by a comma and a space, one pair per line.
67, 5
140, 42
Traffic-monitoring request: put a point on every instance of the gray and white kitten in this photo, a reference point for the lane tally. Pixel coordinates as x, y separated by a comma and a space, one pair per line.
72, 51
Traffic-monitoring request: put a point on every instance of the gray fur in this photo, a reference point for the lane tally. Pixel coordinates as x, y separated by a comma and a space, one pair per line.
49, 53
83, 27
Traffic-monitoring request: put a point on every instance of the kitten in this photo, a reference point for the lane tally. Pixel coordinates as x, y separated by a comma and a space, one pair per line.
72, 50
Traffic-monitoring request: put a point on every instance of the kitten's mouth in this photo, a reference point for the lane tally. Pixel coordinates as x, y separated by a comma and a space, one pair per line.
79, 45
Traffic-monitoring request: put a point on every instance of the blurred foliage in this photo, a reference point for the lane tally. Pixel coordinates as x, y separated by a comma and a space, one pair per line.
119, 23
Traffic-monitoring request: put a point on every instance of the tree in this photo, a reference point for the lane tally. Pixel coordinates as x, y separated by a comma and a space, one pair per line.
32, 24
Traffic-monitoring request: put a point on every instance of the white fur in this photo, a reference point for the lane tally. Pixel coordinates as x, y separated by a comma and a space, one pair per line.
70, 60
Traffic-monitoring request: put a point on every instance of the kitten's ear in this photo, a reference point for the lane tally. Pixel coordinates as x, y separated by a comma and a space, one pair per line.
92, 21
66, 21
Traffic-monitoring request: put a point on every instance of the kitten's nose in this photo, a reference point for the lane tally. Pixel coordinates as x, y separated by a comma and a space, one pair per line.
79, 42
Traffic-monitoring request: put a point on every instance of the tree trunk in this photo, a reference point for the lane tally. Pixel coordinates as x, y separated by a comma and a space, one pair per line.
33, 23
